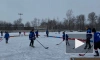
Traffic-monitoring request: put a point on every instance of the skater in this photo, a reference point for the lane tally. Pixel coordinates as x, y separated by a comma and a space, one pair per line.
32, 38
88, 37
96, 41
19, 33
47, 32
36, 33
1, 33
6, 37
63, 36
67, 42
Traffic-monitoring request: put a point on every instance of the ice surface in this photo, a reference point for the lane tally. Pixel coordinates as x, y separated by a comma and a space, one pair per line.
18, 48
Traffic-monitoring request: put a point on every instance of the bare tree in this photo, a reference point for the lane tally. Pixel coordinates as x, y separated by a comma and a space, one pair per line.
34, 23
66, 23
43, 23
18, 24
72, 23
80, 21
27, 24
52, 24
69, 17
92, 18
98, 22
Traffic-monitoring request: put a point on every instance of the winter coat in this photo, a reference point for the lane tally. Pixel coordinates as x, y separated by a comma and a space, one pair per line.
6, 35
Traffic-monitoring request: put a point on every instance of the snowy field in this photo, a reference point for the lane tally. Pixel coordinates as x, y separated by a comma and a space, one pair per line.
18, 48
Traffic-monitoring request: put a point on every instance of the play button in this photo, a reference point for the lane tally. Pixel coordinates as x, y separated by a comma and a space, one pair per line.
78, 43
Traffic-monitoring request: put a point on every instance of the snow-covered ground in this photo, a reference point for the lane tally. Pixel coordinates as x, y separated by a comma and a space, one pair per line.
18, 48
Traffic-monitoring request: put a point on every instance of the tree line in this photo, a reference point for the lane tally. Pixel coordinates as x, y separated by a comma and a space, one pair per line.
70, 22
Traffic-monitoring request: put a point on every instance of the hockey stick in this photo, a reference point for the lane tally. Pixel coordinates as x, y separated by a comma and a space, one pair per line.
59, 43
42, 44
85, 52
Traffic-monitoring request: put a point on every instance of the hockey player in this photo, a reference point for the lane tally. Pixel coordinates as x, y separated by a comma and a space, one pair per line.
1, 33
88, 37
63, 36
47, 32
6, 37
96, 41
67, 42
19, 33
36, 33
32, 38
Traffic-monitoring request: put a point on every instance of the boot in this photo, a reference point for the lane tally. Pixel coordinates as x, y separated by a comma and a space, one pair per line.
33, 46
89, 47
30, 44
85, 47
6, 42
97, 53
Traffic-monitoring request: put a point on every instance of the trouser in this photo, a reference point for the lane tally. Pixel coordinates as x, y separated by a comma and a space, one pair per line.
37, 36
19, 33
6, 40
67, 42
88, 43
47, 35
96, 46
32, 42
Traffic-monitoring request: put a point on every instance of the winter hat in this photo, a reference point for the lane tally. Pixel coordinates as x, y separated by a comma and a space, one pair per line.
93, 30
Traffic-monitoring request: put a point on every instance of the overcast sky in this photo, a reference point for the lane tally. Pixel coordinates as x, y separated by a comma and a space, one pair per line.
9, 9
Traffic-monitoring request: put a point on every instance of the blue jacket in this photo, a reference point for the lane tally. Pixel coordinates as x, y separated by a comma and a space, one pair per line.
47, 32
88, 30
89, 35
96, 37
67, 37
63, 36
6, 35
36, 32
32, 36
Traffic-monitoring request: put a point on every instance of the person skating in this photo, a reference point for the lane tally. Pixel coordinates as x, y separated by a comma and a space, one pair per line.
47, 33
19, 33
6, 37
32, 38
67, 42
88, 37
36, 33
96, 41
1, 33
63, 36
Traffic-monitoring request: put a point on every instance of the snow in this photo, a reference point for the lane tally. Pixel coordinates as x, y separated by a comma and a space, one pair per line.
18, 48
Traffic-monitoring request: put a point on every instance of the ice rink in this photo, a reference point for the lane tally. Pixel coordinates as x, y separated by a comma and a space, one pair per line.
18, 48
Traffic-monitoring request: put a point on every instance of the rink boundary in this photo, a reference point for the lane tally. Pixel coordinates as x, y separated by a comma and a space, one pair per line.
70, 38
54, 37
